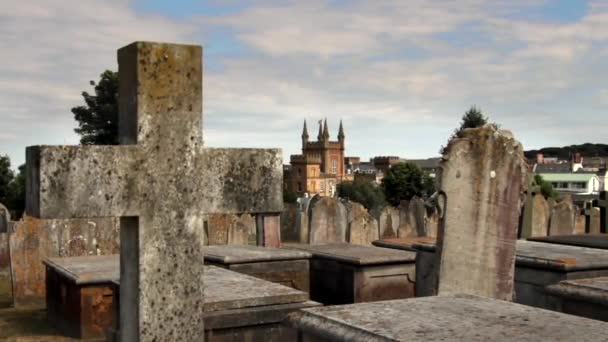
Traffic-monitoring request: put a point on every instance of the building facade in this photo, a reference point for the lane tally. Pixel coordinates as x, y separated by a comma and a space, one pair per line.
321, 166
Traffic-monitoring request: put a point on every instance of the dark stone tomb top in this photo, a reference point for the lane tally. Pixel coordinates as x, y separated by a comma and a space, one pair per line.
444, 318
560, 257
85, 270
599, 241
594, 290
235, 254
424, 243
356, 254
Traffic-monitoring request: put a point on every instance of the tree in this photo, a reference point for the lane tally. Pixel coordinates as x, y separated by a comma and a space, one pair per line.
546, 188
16, 198
365, 193
98, 119
404, 181
289, 196
6, 177
472, 118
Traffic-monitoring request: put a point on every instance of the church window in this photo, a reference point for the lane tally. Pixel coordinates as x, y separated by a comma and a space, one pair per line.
334, 166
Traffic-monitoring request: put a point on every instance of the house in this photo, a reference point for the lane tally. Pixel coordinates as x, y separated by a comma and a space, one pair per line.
573, 183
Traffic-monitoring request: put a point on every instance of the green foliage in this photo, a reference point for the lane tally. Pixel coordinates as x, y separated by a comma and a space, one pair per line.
98, 119
12, 188
546, 189
564, 153
472, 118
428, 185
289, 196
6, 176
404, 181
365, 193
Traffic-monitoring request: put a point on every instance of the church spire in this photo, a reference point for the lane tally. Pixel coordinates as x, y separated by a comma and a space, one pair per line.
304, 135
325, 131
341, 132
320, 135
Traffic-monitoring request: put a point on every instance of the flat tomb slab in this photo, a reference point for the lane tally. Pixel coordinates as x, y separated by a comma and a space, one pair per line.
342, 273
442, 318
599, 241
238, 306
560, 257
232, 300
413, 244
583, 297
283, 266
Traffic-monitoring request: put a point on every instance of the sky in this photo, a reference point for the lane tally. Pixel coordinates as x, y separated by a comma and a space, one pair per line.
400, 74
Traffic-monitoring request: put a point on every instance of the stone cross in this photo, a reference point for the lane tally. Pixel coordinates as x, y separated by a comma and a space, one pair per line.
592, 215
161, 182
481, 186
603, 204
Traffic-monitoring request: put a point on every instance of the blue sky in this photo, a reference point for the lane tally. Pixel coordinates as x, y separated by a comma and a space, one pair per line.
398, 73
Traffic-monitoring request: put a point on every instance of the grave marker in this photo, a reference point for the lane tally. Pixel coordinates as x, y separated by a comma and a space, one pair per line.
162, 183
563, 217
602, 202
481, 183
592, 218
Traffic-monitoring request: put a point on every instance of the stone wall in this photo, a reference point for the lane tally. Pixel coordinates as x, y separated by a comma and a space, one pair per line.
32, 240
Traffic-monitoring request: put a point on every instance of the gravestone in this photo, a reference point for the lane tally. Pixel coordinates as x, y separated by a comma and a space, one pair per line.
388, 222
362, 226
32, 240
417, 215
602, 203
405, 230
328, 220
482, 178
563, 217
162, 183
5, 218
540, 216
432, 223
289, 228
231, 229
591, 215
303, 219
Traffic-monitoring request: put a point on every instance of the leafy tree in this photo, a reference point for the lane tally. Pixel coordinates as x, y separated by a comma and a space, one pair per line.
428, 184
546, 188
365, 193
472, 118
404, 181
6, 176
16, 199
289, 196
98, 119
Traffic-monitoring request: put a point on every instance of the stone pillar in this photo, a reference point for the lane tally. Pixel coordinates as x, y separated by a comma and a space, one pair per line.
482, 179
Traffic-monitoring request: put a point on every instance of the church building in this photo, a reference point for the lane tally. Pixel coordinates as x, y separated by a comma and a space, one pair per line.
320, 167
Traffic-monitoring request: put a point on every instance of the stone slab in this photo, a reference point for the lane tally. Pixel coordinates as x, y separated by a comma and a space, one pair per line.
428, 243
86, 270
582, 297
599, 241
443, 318
356, 254
249, 254
560, 257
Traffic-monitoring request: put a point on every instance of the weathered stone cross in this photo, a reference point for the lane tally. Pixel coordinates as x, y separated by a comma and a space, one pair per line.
161, 182
603, 204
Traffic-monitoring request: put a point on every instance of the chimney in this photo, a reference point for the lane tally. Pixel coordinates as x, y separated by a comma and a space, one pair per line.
540, 158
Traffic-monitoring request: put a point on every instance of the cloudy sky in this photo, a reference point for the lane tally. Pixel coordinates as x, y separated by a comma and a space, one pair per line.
399, 73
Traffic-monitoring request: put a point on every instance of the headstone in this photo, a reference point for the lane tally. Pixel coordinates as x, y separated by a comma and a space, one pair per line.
602, 203
388, 222
161, 183
230, 229
592, 216
562, 217
33, 240
405, 230
432, 223
289, 228
417, 215
5, 218
579, 223
362, 226
540, 216
303, 219
482, 178
328, 220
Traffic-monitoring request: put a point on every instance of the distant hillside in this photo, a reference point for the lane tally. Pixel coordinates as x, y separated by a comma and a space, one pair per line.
586, 150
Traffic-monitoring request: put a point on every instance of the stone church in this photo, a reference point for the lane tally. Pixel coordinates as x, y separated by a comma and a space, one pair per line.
320, 167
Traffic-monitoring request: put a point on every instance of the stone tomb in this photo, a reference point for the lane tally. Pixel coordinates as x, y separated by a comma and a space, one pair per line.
162, 183
424, 246
342, 273
283, 266
599, 241
79, 294
83, 292
542, 264
582, 297
238, 307
442, 318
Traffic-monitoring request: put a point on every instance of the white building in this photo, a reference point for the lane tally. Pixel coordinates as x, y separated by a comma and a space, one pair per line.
574, 183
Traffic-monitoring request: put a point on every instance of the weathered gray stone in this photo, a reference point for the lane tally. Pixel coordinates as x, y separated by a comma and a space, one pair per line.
231, 229
362, 226
442, 318
598, 241
417, 215
328, 220
33, 240
5, 218
582, 297
303, 219
289, 227
563, 217
432, 223
579, 223
536, 217
482, 179
388, 222
405, 230
161, 182
591, 216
